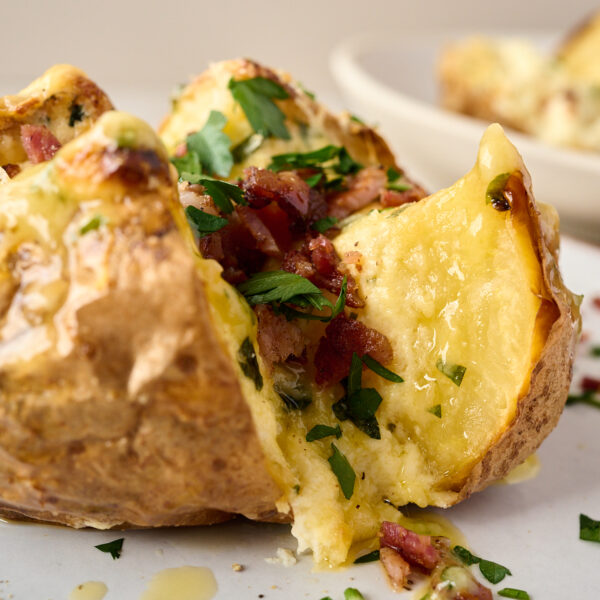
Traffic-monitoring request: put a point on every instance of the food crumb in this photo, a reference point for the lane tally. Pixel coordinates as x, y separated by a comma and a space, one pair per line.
237, 567
284, 557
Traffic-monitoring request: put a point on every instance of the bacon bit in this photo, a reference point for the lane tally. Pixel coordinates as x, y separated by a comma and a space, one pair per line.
181, 150
265, 242
416, 549
596, 302
286, 188
343, 336
12, 170
396, 198
590, 384
278, 338
395, 567
318, 261
278, 224
39, 143
364, 188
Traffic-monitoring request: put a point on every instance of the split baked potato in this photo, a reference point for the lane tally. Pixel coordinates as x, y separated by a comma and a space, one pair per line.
134, 392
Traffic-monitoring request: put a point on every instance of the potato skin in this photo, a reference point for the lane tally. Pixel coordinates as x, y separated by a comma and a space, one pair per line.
138, 420
48, 101
539, 410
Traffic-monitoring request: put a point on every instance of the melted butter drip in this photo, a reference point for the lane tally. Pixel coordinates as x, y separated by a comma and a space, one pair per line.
527, 470
90, 590
183, 583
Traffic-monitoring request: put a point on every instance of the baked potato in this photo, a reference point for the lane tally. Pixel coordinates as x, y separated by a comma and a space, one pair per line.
51, 111
136, 390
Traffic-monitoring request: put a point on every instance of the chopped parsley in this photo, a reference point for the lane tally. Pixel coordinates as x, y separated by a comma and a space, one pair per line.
304, 160
76, 115
255, 96
203, 223
587, 397
495, 195
207, 151
366, 558
378, 368
595, 351
318, 432
313, 180
343, 471
394, 178
357, 120
223, 193
436, 410
280, 288
93, 224
454, 372
589, 530
244, 149
311, 95
514, 593
352, 594
249, 363
322, 225
296, 400
492, 571
113, 548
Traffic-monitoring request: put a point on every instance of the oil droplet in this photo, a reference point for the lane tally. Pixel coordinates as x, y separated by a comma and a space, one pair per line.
182, 583
90, 590
523, 472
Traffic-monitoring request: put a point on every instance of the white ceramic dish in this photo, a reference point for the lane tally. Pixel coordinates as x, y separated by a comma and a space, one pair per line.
392, 79
531, 527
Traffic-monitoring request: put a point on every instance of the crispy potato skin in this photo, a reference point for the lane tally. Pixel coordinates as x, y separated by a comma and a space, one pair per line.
48, 101
539, 410
139, 420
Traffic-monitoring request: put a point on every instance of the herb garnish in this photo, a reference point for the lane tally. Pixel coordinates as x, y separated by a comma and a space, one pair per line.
394, 183
595, 351
249, 364
113, 548
203, 223
255, 96
318, 159
92, 224
280, 288
492, 571
589, 530
514, 593
223, 193
318, 432
322, 225
293, 401
207, 151
343, 471
76, 115
436, 410
366, 558
353, 594
587, 397
454, 372
378, 368
244, 149
311, 95
313, 180
357, 120
495, 195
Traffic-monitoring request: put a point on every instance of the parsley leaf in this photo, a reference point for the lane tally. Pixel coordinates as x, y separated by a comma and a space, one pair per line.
492, 571
587, 397
244, 149
76, 115
94, 223
465, 556
595, 351
318, 432
343, 471
223, 193
211, 146
255, 96
311, 95
313, 180
360, 408
378, 368
303, 160
589, 530
357, 120
494, 194
436, 410
514, 593
203, 223
355, 375
353, 594
113, 548
322, 225
454, 372
366, 558
347, 165
293, 401
394, 176
249, 364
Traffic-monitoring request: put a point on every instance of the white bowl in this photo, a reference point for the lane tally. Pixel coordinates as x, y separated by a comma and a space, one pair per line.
392, 80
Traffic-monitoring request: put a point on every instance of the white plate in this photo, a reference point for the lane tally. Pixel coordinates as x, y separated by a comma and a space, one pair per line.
392, 80
531, 527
